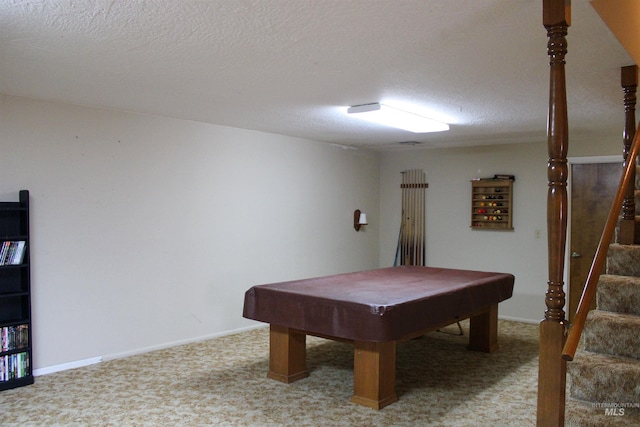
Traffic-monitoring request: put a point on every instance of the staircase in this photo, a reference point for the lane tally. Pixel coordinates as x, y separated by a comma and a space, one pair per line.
604, 378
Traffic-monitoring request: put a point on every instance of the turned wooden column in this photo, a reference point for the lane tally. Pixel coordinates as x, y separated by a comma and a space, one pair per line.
629, 82
552, 368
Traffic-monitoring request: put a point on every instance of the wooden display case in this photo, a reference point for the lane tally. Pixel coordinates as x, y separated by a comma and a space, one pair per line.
492, 204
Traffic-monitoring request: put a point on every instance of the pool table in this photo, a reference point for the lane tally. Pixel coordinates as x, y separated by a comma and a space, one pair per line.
375, 310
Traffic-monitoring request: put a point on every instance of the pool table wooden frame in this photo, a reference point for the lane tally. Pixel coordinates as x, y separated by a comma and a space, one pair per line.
374, 363
374, 367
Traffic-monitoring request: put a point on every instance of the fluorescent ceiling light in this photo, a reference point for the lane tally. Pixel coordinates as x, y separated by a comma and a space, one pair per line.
394, 117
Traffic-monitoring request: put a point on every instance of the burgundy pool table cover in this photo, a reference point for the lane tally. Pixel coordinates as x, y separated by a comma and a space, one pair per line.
380, 305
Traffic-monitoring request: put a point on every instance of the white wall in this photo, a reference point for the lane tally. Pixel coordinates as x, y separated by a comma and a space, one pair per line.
450, 241
147, 231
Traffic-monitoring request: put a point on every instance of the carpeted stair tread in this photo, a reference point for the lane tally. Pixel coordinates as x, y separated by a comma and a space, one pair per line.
596, 377
623, 260
619, 293
587, 414
604, 377
611, 333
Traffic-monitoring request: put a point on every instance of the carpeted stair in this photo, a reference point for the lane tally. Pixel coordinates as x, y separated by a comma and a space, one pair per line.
604, 377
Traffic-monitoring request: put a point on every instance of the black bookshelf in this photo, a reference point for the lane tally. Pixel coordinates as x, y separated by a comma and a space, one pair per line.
16, 361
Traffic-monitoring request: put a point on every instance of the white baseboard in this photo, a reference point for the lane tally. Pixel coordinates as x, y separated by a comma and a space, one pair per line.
180, 342
93, 360
518, 319
66, 366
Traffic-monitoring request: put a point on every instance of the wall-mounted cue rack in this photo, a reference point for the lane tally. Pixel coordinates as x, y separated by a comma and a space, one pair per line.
411, 248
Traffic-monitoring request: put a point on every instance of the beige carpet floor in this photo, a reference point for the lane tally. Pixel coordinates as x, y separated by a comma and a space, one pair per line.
222, 382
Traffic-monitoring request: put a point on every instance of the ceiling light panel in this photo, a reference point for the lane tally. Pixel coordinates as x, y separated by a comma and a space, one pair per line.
394, 117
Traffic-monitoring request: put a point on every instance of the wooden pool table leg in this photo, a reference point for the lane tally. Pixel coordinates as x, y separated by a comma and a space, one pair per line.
374, 373
287, 354
483, 330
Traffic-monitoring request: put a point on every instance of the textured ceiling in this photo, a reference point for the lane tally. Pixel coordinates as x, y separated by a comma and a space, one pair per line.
292, 66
